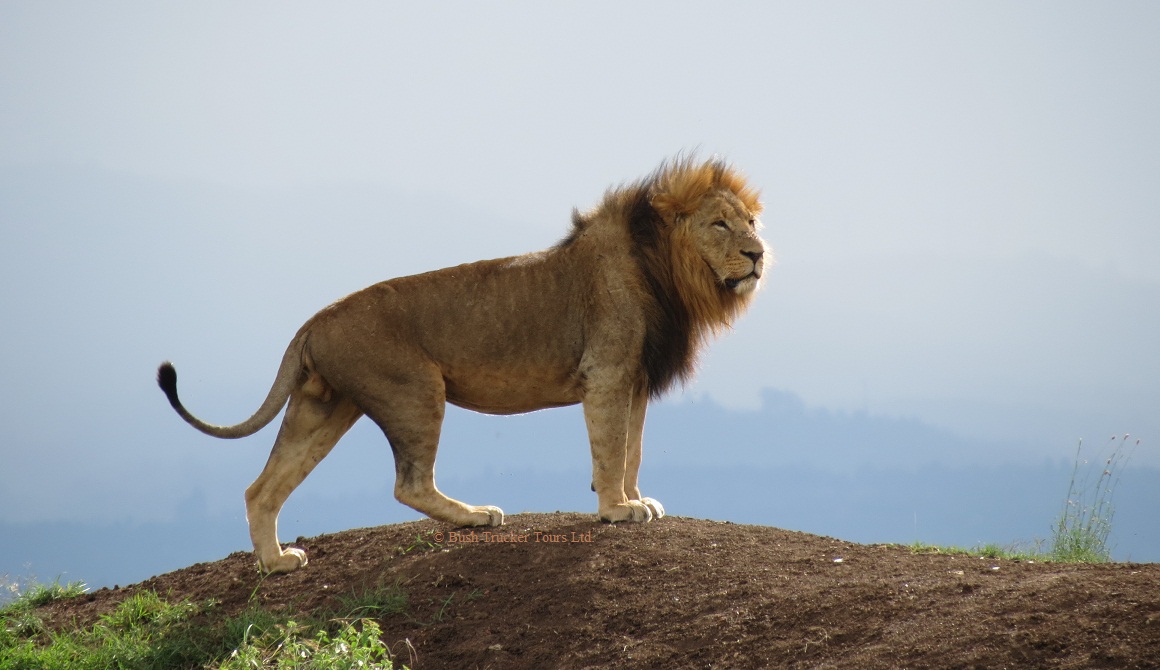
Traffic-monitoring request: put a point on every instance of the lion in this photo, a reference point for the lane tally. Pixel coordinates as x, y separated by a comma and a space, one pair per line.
610, 317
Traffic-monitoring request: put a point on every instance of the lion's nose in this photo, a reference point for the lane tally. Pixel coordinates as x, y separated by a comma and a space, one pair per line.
754, 256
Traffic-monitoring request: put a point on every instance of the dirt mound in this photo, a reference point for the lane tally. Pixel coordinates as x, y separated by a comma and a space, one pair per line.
562, 591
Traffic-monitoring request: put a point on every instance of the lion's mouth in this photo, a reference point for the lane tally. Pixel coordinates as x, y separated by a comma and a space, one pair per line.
742, 284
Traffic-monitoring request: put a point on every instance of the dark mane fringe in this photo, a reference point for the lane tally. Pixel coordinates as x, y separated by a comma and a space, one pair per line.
578, 225
670, 344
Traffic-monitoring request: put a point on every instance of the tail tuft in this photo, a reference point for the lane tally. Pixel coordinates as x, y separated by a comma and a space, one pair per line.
167, 380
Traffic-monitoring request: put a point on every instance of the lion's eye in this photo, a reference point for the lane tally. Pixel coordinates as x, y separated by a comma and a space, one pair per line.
721, 224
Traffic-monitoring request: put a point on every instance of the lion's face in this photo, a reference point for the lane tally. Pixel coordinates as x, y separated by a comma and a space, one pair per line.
724, 233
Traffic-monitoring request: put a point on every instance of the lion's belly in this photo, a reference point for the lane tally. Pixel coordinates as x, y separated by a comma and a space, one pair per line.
511, 391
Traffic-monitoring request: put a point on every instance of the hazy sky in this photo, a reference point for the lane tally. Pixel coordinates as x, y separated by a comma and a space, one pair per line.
964, 200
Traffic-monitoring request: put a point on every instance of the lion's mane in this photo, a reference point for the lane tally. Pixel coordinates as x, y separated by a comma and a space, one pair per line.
684, 303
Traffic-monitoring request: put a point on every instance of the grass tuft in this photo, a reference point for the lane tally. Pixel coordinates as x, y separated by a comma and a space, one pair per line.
1080, 534
34, 594
423, 543
1082, 530
377, 602
1013, 552
293, 646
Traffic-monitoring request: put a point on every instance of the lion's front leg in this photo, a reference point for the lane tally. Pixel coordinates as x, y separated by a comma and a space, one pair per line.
634, 454
610, 411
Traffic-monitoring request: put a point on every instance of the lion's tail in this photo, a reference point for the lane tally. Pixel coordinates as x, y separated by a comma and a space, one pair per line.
287, 378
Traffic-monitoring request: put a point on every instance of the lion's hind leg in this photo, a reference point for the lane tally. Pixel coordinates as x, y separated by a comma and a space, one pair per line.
312, 426
411, 416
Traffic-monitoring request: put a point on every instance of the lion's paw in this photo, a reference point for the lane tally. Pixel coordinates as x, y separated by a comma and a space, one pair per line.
655, 506
289, 560
486, 515
637, 511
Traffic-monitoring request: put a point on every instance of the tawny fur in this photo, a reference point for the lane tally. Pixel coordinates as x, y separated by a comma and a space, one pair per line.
613, 314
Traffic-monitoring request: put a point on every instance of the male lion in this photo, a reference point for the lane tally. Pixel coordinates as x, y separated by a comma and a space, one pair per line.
612, 315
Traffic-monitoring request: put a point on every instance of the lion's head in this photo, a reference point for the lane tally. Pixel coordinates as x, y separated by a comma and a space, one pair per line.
711, 214
693, 227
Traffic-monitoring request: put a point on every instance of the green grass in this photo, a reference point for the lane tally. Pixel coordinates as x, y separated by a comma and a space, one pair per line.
423, 543
1011, 552
15, 593
355, 644
147, 631
375, 602
1081, 532
35, 595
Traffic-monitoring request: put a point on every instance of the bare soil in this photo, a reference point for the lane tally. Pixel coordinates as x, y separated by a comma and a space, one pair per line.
564, 591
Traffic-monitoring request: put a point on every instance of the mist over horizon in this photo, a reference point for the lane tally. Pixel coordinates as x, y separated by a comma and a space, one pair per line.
855, 477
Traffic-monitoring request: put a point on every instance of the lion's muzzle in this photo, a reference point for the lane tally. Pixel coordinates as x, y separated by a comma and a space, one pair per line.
750, 281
